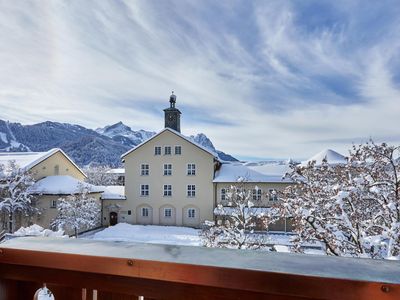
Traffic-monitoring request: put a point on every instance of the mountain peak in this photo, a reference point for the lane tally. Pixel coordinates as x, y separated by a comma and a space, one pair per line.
203, 140
118, 128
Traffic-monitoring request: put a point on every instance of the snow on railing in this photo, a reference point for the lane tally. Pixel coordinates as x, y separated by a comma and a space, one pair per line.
90, 269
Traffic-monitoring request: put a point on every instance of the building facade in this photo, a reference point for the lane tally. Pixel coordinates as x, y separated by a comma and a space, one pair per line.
55, 176
171, 180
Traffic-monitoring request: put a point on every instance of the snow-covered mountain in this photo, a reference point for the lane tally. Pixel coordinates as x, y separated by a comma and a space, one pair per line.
103, 146
203, 140
123, 134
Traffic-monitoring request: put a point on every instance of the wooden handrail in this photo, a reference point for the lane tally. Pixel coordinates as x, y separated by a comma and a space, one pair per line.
179, 272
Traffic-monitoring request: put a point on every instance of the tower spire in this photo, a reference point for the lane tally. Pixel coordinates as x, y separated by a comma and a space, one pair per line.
172, 100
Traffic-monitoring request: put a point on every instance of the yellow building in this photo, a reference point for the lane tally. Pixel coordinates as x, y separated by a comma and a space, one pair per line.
55, 175
171, 180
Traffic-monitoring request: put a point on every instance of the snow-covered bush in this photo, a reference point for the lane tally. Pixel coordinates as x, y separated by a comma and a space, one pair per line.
77, 212
36, 230
238, 221
15, 200
353, 208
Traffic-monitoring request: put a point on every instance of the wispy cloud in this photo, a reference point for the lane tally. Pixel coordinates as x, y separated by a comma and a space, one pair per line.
260, 78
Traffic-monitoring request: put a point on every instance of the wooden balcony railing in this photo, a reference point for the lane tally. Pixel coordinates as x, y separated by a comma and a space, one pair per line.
87, 269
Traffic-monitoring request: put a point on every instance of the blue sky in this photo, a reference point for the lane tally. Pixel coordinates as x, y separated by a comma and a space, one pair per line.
260, 78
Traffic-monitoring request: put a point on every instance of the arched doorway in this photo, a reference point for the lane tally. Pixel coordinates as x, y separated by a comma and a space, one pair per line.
113, 218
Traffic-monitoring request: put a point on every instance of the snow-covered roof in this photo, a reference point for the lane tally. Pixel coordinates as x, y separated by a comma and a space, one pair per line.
331, 156
28, 160
62, 185
116, 171
234, 172
273, 168
113, 192
176, 133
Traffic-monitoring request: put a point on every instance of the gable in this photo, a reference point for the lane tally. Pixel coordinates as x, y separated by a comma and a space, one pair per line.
171, 138
57, 159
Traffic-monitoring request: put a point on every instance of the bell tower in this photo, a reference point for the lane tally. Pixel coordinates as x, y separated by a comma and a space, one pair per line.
172, 115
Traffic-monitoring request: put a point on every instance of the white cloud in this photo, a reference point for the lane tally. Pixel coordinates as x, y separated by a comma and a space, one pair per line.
98, 62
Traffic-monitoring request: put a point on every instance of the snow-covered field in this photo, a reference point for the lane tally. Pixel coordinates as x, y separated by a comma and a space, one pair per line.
174, 235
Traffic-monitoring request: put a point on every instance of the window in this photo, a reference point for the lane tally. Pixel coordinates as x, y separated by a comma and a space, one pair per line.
167, 150
167, 169
167, 212
223, 194
191, 213
273, 196
129, 212
144, 169
167, 190
144, 190
178, 150
157, 150
257, 194
53, 204
191, 190
191, 169
56, 170
145, 212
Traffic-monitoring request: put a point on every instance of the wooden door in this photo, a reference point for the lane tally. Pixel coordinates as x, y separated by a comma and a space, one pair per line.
113, 218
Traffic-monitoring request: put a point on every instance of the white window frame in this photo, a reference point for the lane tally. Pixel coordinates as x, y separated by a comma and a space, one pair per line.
167, 152
256, 194
180, 150
53, 203
191, 213
191, 169
272, 195
170, 212
144, 190
191, 190
147, 210
157, 150
167, 190
144, 170
167, 170
223, 194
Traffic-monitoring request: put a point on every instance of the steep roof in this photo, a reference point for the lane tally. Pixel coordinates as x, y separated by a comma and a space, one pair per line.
27, 160
234, 172
62, 185
331, 156
176, 133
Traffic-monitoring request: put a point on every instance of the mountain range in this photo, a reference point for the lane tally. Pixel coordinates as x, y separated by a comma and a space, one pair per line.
102, 146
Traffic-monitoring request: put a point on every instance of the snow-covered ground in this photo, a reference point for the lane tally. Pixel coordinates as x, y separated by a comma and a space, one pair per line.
174, 235
150, 234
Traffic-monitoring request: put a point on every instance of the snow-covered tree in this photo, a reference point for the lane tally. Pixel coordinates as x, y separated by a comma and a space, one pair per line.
78, 212
101, 175
238, 221
15, 199
352, 208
